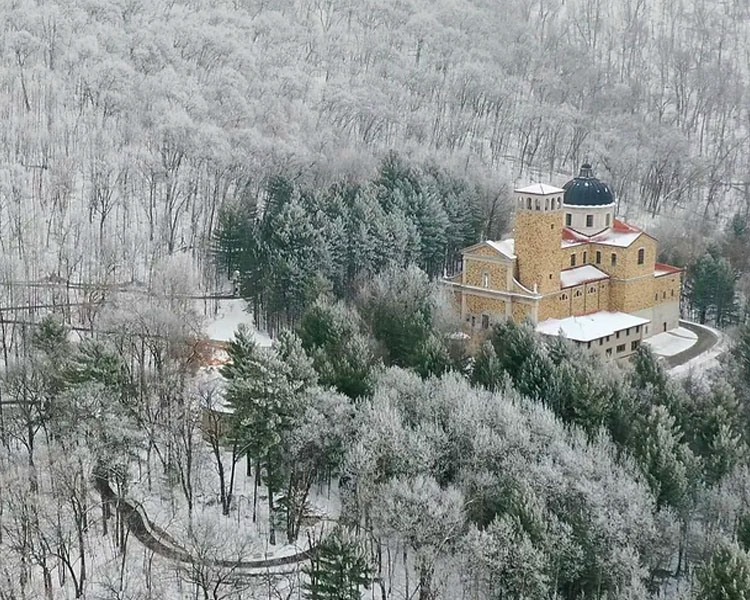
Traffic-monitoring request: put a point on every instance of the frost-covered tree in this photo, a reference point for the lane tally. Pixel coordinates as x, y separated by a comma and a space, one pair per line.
726, 576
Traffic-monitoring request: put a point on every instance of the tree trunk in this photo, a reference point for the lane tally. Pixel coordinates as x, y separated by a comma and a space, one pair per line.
271, 526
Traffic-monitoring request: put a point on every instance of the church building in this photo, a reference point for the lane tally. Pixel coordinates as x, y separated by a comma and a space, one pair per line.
573, 269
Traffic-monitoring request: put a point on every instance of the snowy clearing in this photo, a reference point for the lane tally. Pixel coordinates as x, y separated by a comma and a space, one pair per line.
672, 342
231, 313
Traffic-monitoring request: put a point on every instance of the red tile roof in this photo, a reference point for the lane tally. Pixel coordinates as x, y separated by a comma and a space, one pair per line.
665, 269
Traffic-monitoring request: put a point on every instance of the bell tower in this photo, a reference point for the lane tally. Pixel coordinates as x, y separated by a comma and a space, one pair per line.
538, 236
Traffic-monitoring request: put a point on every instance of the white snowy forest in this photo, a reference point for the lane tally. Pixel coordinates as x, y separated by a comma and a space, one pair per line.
317, 166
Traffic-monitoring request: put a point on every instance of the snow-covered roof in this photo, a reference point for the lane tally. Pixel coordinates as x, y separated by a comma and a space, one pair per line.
539, 189
506, 247
586, 328
579, 275
621, 235
620, 239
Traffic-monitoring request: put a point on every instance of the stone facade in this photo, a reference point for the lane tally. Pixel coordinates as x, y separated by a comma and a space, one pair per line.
521, 279
537, 244
486, 272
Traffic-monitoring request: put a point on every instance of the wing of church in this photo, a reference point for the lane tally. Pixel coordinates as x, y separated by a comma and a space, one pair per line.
573, 269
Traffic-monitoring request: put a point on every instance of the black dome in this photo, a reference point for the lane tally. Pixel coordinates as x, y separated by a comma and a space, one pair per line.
587, 190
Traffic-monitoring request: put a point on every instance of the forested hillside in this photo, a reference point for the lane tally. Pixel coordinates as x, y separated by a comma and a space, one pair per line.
127, 124
329, 159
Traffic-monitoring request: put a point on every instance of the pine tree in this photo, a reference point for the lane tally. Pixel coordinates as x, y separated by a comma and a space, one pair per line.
231, 240
338, 570
726, 576
487, 370
342, 355
667, 462
710, 289
741, 352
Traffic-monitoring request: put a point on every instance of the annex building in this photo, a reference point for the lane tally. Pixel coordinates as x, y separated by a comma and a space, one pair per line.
572, 268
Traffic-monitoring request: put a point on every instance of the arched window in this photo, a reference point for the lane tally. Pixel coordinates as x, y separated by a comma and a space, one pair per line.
641, 255
528, 203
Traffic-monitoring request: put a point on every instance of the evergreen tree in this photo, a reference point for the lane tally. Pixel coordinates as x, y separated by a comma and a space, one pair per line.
50, 337
338, 569
666, 461
710, 289
432, 225
341, 354
487, 370
231, 240
263, 392
741, 353
398, 307
726, 576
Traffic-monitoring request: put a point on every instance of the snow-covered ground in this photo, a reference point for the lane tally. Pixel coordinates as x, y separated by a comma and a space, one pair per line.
167, 510
672, 342
231, 313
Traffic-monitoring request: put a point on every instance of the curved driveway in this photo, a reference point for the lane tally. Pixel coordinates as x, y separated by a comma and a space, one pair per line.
707, 339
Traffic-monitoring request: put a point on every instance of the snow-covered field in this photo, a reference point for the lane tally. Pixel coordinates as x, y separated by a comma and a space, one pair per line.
672, 342
231, 313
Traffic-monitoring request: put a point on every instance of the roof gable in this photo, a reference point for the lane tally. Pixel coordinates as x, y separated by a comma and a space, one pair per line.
503, 248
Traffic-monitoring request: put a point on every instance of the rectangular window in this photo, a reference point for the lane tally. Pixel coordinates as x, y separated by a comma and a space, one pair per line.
598, 257
485, 321
485, 280
584, 257
641, 255
627, 331
634, 344
601, 341
609, 351
614, 259
473, 321
607, 219
663, 295
617, 335
568, 219
588, 345
621, 348
589, 220
572, 260
637, 328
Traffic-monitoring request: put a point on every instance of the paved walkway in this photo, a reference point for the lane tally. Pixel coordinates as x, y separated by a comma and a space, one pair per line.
707, 339
157, 540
